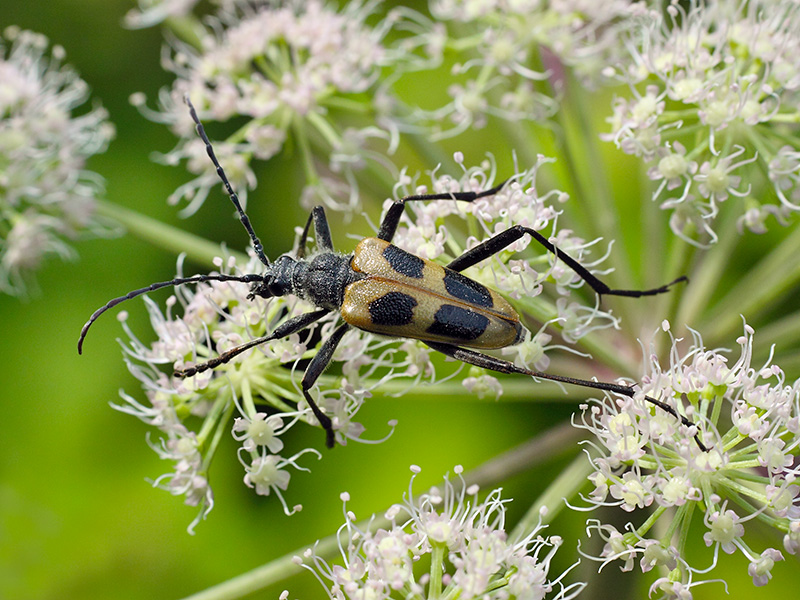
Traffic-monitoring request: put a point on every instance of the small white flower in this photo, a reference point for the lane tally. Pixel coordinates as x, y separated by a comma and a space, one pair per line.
760, 569
267, 474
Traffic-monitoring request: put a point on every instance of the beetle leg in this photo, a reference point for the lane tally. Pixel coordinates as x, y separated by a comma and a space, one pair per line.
505, 238
492, 363
289, 327
315, 368
322, 232
392, 218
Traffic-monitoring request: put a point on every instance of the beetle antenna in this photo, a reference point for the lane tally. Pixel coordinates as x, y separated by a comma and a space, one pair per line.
257, 246
155, 286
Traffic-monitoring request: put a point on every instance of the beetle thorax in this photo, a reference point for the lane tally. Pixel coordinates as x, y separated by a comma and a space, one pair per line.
324, 278
320, 280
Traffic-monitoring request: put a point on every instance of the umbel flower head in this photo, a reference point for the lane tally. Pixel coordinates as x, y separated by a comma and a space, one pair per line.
748, 417
509, 56
288, 70
47, 199
460, 540
713, 111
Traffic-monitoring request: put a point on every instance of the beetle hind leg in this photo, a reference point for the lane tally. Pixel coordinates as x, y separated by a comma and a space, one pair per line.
503, 366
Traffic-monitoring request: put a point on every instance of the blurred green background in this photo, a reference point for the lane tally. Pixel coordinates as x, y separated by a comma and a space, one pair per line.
77, 516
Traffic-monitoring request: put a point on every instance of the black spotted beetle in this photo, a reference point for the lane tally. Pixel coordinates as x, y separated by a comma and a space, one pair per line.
383, 289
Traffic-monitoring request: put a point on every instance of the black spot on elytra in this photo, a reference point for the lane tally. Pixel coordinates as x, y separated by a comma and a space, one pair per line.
403, 262
466, 289
392, 309
458, 323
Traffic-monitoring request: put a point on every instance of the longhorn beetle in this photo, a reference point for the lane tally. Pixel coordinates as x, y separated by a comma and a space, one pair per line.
382, 289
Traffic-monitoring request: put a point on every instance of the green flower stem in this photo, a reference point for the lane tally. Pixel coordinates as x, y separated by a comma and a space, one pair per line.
325, 128
219, 407
792, 117
743, 490
299, 128
645, 527
672, 525
597, 207
716, 409
268, 68
490, 473
437, 561
740, 465
188, 29
760, 286
223, 426
687, 511
696, 297
568, 483
166, 236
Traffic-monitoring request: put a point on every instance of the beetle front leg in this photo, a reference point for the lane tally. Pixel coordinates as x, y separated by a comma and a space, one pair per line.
392, 218
322, 232
315, 368
289, 327
499, 365
505, 238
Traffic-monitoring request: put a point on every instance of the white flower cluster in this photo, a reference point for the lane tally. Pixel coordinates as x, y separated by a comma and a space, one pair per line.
715, 93
47, 199
510, 56
462, 539
749, 419
284, 69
